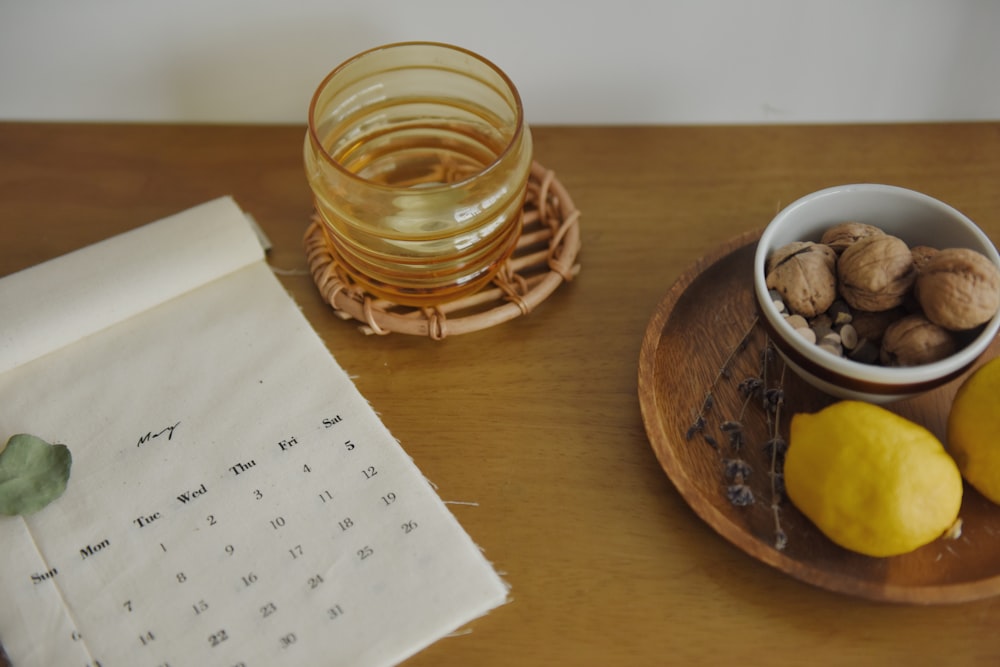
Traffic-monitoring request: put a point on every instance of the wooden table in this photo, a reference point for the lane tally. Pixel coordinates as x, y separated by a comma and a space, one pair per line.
537, 422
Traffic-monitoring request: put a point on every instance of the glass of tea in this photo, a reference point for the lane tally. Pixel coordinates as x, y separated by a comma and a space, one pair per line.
418, 157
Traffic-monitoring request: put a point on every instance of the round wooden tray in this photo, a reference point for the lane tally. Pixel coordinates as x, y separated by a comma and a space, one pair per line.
544, 258
694, 330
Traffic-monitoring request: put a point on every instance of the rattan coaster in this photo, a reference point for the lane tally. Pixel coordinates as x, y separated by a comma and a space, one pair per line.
545, 257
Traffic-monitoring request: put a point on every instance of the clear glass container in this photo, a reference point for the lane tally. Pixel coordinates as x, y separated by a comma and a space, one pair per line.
418, 158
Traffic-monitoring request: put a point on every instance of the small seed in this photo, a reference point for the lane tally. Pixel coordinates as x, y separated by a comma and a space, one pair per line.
835, 350
821, 331
806, 333
832, 338
797, 322
840, 313
849, 336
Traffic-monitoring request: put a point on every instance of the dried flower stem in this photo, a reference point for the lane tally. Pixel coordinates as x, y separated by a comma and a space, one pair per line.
780, 538
698, 424
735, 470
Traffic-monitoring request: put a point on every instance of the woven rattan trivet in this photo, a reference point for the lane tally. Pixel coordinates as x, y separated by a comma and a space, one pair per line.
545, 257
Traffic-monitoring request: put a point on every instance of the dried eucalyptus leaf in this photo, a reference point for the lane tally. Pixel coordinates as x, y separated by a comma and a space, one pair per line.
33, 473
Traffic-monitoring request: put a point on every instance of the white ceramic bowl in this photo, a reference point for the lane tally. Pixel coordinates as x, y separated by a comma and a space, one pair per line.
915, 218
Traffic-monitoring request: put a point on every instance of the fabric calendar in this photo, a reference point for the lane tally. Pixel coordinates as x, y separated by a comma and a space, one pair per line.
234, 500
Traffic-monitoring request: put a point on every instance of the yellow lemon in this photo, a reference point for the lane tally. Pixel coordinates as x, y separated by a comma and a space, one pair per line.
870, 480
974, 429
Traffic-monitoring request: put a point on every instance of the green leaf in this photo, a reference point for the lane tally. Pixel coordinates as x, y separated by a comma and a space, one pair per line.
33, 473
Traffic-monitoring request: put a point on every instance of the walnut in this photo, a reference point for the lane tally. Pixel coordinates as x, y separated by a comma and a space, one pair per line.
839, 237
921, 255
959, 289
804, 274
872, 325
915, 340
876, 272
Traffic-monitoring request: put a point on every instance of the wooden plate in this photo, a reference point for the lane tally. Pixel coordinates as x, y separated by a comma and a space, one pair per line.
693, 331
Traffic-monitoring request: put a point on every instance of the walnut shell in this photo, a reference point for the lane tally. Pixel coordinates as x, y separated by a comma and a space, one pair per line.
779, 255
922, 254
876, 272
839, 237
872, 325
959, 289
915, 340
804, 274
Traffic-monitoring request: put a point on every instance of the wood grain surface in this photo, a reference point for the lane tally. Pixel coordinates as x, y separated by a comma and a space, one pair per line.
534, 428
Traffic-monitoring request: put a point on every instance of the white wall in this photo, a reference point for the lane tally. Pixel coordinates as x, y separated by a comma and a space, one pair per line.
616, 61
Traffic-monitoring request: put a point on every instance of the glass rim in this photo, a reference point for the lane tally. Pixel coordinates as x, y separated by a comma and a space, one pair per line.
321, 151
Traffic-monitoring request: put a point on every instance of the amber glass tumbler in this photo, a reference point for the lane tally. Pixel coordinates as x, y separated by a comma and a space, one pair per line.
418, 157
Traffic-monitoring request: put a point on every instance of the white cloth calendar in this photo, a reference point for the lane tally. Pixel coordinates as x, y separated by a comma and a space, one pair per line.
234, 500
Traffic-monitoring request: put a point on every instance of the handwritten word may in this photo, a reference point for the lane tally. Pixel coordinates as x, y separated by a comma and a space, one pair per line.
150, 436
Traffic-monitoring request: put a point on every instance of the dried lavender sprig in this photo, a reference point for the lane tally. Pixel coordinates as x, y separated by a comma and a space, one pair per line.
698, 424
777, 484
737, 470
740, 495
749, 388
